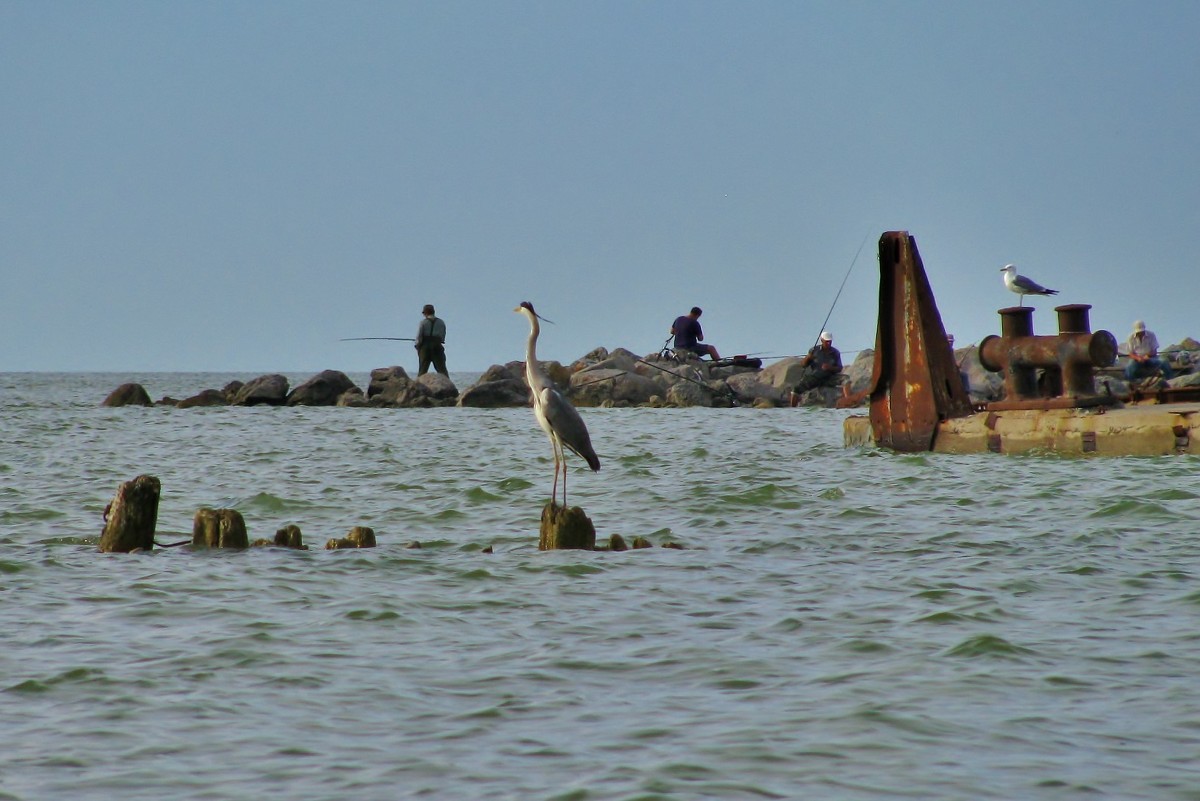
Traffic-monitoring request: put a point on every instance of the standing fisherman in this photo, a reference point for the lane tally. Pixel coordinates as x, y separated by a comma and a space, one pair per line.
431, 342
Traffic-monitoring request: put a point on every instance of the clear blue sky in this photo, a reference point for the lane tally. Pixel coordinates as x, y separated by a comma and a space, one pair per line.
234, 186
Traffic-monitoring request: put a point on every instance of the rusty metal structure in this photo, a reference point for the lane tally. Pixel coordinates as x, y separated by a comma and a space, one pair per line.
1048, 372
915, 383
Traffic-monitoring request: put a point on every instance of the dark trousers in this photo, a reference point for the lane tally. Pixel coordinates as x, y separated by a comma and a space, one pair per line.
813, 378
432, 353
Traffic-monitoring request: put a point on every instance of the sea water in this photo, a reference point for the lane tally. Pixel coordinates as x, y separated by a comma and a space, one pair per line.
839, 624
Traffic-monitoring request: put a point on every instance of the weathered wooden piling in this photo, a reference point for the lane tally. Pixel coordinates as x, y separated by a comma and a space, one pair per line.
357, 537
131, 517
219, 528
287, 537
566, 528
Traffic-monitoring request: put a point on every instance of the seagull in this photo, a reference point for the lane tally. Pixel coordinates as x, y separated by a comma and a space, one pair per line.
1021, 285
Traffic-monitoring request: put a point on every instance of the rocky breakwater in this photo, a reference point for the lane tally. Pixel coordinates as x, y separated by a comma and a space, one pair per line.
390, 387
620, 378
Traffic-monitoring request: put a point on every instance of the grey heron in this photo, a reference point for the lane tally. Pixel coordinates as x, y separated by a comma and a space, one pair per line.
554, 413
1021, 285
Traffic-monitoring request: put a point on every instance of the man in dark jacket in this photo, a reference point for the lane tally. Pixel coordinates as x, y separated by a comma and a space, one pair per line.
431, 342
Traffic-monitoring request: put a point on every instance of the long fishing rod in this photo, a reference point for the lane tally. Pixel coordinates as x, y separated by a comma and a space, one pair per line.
840, 288
392, 339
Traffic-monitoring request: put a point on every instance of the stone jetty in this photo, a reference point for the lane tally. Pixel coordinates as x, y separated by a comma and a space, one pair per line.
617, 378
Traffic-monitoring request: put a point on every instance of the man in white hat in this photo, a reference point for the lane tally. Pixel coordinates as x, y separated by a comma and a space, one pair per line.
821, 366
1143, 354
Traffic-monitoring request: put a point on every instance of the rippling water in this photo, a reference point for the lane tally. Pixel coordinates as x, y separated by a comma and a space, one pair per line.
840, 625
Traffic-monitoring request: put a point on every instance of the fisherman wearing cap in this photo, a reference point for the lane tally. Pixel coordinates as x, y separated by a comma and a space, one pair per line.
431, 341
821, 366
1143, 354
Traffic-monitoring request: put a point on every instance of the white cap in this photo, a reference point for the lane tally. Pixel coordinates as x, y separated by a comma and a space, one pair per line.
1138, 325
826, 336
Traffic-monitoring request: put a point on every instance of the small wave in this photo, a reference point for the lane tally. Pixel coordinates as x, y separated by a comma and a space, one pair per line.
988, 645
266, 502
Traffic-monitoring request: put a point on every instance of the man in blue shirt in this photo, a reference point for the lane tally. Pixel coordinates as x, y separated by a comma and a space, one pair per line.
822, 366
689, 336
1143, 355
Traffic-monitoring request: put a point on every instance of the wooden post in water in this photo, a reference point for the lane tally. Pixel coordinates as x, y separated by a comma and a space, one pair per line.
219, 528
566, 528
357, 537
289, 537
131, 517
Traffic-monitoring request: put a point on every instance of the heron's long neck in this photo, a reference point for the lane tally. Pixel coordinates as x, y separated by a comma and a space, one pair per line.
531, 349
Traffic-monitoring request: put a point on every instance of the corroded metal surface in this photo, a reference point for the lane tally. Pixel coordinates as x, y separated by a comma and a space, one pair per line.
915, 383
1055, 371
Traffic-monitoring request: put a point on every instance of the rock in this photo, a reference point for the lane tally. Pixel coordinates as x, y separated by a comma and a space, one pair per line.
440, 387
596, 386
130, 520
231, 390
749, 388
592, 357
688, 393
380, 377
206, 397
783, 374
1189, 380
858, 374
266, 390
352, 397
219, 528
617, 543
128, 395
984, 385
619, 359
496, 394
826, 395
498, 372
403, 393
323, 389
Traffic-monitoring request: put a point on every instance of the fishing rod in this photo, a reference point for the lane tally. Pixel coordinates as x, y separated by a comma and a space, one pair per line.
392, 339
843, 286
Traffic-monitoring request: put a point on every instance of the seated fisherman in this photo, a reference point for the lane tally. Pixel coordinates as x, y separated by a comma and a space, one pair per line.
1143, 354
821, 366
689, 336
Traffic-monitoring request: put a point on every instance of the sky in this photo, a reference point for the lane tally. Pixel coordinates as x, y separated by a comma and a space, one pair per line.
232, 186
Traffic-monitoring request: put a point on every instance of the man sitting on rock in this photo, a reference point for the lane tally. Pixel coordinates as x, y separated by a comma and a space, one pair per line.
821, 367
689, 336
1143, 355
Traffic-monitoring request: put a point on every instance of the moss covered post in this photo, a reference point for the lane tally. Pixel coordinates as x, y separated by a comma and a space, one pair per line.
566, 528
219, 528
130, 519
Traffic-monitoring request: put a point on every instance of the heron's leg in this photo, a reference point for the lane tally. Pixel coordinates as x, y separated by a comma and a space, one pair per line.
564, 469
554, 446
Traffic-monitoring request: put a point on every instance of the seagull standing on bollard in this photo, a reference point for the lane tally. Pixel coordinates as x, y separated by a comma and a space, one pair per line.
1021, 285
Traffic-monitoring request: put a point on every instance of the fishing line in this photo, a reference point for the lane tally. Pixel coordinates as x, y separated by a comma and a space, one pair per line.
843, 286
392, 339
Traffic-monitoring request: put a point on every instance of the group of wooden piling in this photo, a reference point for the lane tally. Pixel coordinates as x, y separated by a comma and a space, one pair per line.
131, 518
130, 521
